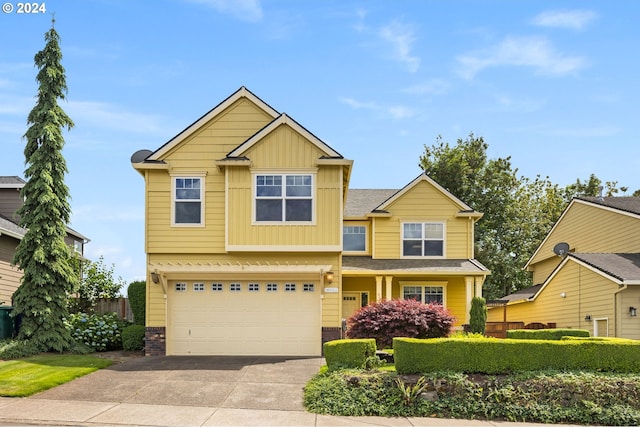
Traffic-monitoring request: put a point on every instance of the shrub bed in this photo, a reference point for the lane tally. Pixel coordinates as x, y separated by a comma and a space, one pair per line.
546, 334
545, 397
494, 356
352, 353
133, 337
100, 332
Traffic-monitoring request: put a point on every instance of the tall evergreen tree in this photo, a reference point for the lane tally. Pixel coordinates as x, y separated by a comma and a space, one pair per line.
42, 255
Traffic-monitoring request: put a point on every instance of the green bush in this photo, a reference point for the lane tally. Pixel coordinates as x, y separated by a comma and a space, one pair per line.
545, 334
101, 332
17, 349
137, 294
478, 315
133, 337
471, 355
351, 353
540, 397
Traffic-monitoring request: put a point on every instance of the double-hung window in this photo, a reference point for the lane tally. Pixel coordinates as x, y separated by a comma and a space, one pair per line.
424, 294
423, 239
354, 238
188, 201
284, 198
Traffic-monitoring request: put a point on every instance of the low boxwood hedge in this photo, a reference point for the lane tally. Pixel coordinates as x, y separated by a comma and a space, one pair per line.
546, 334
350, 353
493, 356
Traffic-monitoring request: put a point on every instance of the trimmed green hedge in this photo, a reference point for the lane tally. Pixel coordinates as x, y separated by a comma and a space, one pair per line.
137, 293
493, 356
351, 353
546, 334
133, 337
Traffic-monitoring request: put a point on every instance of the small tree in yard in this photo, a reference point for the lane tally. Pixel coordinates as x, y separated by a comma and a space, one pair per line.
399, 318
97, 282
478, 315
42, 254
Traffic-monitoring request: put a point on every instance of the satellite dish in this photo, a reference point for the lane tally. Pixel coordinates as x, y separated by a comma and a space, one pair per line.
140, 156
561, 249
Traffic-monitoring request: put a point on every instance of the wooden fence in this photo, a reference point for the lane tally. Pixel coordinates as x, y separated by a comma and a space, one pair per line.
115, 305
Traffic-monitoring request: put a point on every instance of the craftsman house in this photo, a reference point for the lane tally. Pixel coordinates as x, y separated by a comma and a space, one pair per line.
11, 233
256, 245
586, 271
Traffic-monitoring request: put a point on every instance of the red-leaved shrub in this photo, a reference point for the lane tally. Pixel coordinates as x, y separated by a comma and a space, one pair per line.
399, 318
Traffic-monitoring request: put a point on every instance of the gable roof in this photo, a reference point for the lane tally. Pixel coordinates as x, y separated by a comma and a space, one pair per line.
282, 119
243, 92
623, 268
12, 182
424, 177
622, 205
520, 295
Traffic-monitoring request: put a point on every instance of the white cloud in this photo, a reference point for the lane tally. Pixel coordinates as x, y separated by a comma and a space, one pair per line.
246, 10
570, 19
534, 52
360, 26
431, 87
401, 39
113, 117
395, 111
94, 213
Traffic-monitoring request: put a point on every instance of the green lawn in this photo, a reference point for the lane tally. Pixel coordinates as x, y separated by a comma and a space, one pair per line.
24, 377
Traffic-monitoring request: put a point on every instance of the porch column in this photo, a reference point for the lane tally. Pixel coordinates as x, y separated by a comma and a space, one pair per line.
469, 287
378, 288
479, 283
388, 281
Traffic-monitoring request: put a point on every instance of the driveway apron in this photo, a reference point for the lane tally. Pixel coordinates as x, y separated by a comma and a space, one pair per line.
273, 383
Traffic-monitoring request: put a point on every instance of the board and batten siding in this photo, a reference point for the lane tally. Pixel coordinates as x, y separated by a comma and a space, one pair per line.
422, 203
593, 229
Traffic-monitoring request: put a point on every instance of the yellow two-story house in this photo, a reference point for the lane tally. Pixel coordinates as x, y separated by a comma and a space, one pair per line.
256, 245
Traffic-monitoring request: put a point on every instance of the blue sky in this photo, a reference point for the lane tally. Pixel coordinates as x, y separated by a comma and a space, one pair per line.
553, 84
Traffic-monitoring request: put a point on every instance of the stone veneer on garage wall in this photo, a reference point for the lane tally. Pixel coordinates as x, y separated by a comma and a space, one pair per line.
155, 343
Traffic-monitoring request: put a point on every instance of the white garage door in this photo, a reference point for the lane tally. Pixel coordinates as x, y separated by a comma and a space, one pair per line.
244, 318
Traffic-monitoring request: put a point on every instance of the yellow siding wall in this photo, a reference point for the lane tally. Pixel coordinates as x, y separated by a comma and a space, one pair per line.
629, 326
586, 293
198, 153
589, 229
422, 203
544, 268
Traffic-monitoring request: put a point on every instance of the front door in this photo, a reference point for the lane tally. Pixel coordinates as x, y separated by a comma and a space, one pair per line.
351, 302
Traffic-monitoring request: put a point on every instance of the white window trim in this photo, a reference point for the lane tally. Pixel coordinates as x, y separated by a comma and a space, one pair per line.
366, 240
442, 284
283, 173
190, 175
423, 222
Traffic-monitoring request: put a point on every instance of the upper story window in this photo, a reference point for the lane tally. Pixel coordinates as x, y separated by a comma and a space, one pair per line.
423, 239
354, 238
188, 201
284, 198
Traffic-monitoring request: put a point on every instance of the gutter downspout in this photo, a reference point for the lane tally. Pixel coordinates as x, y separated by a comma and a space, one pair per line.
622, 287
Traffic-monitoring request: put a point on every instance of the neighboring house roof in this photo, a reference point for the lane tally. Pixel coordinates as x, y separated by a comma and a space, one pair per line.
623, 267
418, 266
522, 294
627, 204
624, 205
362, 201
10, 228
11, 182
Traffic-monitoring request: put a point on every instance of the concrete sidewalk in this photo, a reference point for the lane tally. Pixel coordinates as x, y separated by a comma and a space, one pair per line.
192, 391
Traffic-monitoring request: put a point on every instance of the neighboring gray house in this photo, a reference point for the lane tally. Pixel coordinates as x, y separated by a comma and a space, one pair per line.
11, 234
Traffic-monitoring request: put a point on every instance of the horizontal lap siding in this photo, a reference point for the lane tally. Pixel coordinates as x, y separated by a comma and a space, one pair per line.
590, 229
198, 154
586, 293
10, 276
